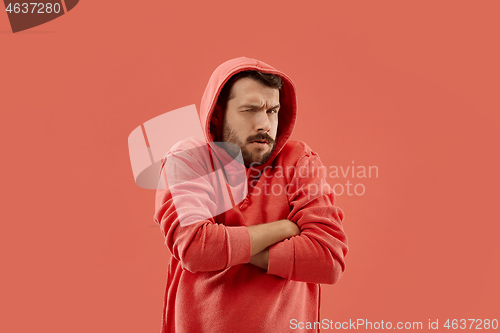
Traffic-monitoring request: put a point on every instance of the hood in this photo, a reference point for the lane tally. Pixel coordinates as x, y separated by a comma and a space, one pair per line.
288, 101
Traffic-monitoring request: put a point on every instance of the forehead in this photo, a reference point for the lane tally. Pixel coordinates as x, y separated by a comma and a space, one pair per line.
248, 90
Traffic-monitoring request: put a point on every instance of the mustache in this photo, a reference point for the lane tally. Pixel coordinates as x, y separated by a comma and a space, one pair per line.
261, 136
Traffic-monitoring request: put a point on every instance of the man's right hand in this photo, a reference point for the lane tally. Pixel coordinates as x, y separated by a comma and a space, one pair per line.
267, 234
293, 228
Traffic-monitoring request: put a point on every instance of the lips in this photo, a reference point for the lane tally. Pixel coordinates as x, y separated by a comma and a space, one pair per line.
260, 141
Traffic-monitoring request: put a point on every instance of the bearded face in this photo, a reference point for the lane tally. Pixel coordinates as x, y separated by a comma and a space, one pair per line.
251, 120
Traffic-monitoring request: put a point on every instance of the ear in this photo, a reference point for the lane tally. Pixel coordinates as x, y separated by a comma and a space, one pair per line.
217, 115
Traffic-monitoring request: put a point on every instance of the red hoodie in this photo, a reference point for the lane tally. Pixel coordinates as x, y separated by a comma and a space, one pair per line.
211, 287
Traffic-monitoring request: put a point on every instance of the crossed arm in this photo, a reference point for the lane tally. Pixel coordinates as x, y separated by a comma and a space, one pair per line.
264, 235
316, 255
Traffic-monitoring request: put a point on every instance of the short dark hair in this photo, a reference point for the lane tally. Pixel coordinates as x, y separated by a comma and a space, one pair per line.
269, 80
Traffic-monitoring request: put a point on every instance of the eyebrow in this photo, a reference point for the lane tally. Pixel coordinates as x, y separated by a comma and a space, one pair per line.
255, 106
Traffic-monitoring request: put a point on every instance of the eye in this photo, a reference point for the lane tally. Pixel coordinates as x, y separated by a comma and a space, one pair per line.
273, 111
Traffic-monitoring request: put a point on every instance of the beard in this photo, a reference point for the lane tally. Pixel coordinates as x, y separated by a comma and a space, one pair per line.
249, 158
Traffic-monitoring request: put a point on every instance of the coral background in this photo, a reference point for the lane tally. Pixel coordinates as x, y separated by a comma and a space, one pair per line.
409, 87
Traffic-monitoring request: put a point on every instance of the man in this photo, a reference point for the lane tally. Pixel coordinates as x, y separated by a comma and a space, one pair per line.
247, 256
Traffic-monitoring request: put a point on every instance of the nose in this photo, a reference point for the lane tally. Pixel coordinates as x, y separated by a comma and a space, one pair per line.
262, 122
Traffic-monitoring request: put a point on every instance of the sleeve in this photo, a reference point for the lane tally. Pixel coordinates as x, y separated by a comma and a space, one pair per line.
196, 240
317, 254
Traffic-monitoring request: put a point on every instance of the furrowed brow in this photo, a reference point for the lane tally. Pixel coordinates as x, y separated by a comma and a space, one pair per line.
250, 106
255, 106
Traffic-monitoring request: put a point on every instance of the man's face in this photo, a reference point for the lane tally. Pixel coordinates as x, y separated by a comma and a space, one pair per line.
251, 119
